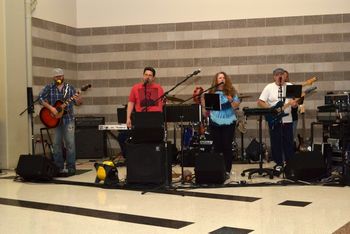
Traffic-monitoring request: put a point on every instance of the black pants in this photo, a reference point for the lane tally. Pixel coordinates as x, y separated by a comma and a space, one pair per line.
222, 141
282, 145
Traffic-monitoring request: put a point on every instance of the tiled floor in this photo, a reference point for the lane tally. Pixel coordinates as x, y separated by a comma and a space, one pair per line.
258, 205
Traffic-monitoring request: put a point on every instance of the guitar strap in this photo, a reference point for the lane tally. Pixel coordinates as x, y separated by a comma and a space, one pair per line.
65, 91
64, 97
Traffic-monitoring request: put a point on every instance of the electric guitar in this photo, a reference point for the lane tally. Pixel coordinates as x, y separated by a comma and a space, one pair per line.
303, 145
277, 111
50, 120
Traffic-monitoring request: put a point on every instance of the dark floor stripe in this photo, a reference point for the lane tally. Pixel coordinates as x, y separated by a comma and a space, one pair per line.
159, 222
295, 203
211, 196
162, 191
167, 191
343, 230
231, 230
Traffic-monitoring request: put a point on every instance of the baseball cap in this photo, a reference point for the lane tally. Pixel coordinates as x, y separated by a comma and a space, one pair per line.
57, 72
278, 71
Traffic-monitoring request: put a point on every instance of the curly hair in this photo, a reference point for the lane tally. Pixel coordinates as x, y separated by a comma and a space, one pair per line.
228, 89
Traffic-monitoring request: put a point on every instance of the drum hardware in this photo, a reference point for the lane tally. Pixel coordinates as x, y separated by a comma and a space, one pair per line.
242, 126
241, 96
174, 99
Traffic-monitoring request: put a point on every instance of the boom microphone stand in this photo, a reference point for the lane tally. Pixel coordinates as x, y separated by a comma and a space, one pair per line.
167, 183
30, 110
182, 141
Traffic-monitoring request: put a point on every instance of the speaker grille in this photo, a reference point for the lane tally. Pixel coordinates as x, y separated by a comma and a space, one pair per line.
89, 141
146, 164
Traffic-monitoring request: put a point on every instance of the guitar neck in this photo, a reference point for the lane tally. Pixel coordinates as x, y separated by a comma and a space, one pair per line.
285, 106
68, 101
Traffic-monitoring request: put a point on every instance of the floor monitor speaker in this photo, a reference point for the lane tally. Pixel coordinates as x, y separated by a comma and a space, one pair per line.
306, 166
36, 167
145, 163
209, 168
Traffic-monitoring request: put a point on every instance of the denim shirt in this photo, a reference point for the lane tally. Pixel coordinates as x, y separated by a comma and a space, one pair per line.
51, 94
226, 115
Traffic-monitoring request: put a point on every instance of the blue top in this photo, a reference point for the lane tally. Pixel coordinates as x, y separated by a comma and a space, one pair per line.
51, 94
226, 115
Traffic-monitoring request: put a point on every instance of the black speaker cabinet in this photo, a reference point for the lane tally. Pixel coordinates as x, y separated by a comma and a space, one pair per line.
209, 168
145, 163
307, 166
89, 141
36, 167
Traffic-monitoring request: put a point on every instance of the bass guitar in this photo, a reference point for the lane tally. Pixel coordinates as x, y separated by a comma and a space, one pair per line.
50, 120
277, 111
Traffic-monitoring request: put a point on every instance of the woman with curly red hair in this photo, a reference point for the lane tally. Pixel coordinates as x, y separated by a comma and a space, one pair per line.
222, 122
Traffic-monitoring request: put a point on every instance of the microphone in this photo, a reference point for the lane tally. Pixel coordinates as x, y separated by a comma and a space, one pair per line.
196, 72
85, 87
145, 82
219, 84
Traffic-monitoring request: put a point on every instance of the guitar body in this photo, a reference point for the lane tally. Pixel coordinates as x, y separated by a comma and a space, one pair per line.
276, 115
50, 120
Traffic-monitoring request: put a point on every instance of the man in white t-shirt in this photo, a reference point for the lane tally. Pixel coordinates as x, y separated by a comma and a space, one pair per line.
281, 129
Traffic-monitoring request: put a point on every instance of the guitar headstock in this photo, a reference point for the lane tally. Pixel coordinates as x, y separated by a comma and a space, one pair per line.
85, 87
311, 89
310, 81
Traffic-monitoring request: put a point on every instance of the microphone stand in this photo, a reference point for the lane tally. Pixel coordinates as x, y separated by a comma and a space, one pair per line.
199, 94
280, 97
30, 110
182, 141
146, 99
163, 97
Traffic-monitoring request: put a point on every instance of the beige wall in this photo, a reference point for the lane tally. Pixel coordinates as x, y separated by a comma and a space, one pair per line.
60, 11
101, 13
14, 128
92, 13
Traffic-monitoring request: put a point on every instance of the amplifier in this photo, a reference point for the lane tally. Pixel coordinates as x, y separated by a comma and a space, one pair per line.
340, 100
333, 116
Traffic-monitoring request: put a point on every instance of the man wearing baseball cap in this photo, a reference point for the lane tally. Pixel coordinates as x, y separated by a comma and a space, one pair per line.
52, 94
281, 129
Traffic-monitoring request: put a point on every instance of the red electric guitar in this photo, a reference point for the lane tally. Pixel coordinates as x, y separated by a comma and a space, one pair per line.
52, 121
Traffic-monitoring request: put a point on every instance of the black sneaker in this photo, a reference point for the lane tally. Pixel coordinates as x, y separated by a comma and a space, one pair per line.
71, 172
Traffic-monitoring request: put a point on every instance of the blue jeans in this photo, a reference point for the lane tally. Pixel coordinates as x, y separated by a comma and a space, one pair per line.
64, 133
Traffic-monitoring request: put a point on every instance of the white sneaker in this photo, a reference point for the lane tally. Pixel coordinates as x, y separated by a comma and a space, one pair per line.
64, 170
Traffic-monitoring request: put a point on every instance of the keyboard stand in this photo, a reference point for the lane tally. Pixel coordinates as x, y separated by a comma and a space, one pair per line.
261, 171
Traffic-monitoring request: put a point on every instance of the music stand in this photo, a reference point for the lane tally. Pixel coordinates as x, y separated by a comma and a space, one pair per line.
293, 91
147, 127
183, 113
261, 171
121, 114
212, 101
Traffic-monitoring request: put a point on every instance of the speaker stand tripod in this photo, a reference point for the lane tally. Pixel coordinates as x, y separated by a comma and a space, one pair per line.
260, 170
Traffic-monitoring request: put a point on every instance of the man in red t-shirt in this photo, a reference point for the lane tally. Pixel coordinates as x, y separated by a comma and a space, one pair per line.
144, 96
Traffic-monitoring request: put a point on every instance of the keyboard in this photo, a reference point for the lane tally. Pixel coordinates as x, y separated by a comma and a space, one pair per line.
112, 127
